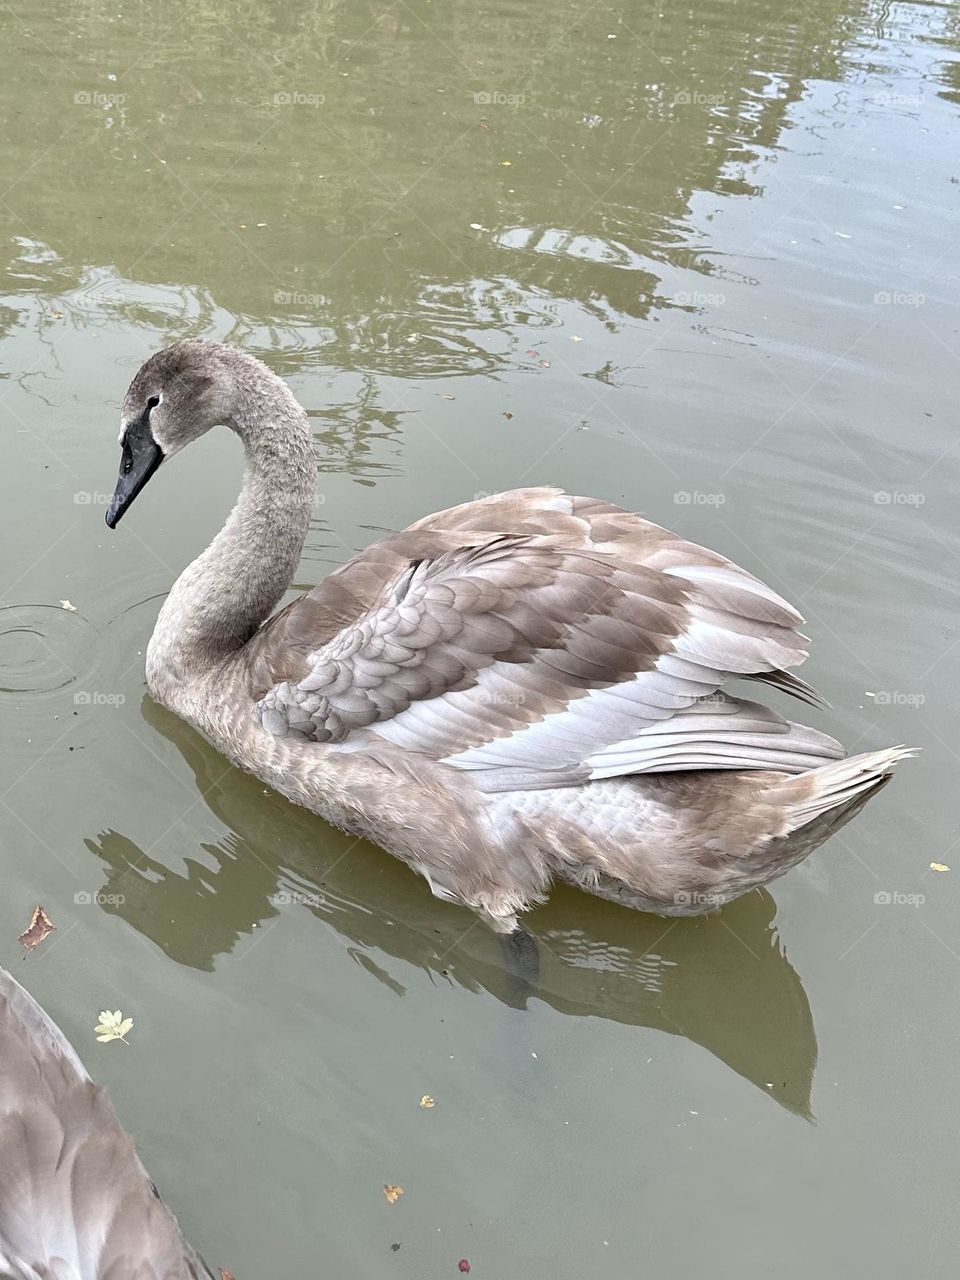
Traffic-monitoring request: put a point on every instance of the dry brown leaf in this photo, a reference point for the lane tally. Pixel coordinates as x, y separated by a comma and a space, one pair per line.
392, 1193
427, 1102
40, 926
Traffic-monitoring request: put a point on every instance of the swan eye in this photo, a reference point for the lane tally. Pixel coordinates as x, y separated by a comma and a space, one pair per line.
153, 402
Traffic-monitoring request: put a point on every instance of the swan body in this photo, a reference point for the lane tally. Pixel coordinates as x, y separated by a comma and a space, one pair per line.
75, 1201
525, 688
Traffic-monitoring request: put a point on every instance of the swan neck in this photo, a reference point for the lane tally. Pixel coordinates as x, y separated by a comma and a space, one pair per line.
222, 598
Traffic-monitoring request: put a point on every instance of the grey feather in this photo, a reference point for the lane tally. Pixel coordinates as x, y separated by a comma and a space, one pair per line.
75, 1201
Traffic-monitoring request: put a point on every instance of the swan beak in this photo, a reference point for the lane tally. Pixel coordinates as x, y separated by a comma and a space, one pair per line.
139, 460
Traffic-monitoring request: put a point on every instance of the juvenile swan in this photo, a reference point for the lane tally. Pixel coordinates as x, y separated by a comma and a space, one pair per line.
75, 1202
521, 689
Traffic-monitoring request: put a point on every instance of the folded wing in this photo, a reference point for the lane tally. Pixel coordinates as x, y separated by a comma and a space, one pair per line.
539, 640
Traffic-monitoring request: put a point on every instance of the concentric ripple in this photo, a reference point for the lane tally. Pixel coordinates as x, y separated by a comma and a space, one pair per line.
42, 647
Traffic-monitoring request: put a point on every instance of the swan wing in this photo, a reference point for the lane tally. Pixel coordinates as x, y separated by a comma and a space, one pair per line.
75, 1201
538, 639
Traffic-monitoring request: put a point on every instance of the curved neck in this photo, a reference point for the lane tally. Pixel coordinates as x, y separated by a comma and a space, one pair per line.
220, 600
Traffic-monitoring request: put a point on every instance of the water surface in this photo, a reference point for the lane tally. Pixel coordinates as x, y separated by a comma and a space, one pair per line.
699, 261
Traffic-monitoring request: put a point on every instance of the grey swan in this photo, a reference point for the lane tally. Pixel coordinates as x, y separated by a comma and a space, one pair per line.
75, 1201
526, 688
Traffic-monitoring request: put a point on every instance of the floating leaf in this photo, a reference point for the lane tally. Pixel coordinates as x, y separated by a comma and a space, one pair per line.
392, 1193
427, 1102
65, 604
939, 866
113, 1026
40, 926
463, 1265
225, 1274
575, 338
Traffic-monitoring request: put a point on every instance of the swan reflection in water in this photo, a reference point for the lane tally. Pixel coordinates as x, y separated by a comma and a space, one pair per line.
722, 981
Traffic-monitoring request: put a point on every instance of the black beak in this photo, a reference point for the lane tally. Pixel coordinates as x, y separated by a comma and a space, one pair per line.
140, 458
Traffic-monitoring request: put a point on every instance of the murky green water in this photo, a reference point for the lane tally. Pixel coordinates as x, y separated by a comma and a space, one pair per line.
701, 262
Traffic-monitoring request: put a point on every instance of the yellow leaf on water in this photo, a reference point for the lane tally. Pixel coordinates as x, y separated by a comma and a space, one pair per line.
427, 1102
65, 604
392, 1193
939, 866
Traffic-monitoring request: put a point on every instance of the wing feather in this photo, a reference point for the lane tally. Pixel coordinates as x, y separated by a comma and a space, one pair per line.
75, 1201
533, 635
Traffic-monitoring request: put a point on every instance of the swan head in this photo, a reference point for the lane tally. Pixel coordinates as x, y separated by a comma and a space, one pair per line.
175, 397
